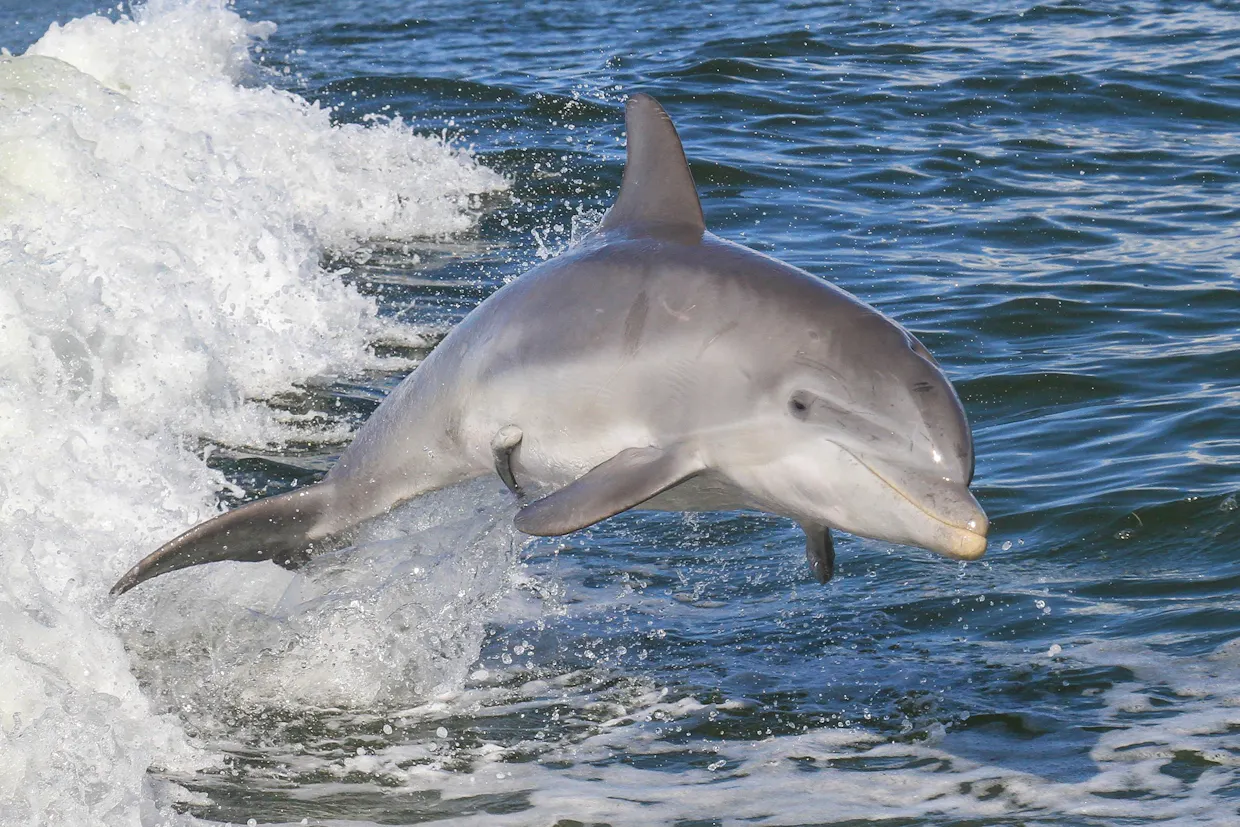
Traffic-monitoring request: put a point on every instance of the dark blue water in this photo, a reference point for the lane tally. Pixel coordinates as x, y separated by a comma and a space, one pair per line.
1048, 195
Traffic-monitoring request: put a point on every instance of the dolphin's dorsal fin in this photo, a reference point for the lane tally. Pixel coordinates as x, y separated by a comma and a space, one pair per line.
657, 188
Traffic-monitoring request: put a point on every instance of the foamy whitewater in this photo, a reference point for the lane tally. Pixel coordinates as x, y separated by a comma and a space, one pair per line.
163, 215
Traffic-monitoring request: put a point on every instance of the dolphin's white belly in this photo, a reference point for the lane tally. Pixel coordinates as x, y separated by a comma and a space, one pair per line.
579, 419
705, 492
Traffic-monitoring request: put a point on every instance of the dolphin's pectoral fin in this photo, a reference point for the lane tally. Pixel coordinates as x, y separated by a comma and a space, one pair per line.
504, 442
275, 528
626, 480
820, 551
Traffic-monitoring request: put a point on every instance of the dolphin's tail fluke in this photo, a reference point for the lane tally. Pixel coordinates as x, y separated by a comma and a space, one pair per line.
278, 528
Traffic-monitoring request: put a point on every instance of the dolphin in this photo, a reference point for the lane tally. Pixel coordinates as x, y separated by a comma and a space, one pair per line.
653, 365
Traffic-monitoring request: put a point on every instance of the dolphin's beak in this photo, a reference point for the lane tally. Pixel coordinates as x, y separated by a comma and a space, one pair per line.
960, 525
968, 543
955, 524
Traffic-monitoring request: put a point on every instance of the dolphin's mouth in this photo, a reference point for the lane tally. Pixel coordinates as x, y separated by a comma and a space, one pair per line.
964, 545
963, 524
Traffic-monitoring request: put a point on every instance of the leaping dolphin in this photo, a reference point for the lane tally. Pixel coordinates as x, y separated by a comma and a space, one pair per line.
654, 366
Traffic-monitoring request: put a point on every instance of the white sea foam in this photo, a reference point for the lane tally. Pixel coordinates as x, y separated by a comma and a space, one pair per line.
163, 214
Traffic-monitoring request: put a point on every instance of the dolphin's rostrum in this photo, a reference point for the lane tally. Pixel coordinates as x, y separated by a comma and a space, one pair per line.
656, 366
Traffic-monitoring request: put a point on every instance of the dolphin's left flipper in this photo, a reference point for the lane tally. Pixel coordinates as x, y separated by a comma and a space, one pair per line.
820, 551
504, 442
626, 480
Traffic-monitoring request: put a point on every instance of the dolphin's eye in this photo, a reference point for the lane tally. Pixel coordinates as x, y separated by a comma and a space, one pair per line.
799, 405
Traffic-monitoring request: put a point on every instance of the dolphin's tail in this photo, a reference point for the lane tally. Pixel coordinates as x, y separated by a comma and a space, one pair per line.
276, 528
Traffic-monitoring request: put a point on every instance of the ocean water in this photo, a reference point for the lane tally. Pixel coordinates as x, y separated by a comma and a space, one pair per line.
226, 231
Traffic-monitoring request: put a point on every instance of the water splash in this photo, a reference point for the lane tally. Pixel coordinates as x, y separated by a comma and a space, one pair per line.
395, 618
164, 216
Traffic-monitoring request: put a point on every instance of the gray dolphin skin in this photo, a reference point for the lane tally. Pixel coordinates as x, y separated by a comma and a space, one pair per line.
654, 366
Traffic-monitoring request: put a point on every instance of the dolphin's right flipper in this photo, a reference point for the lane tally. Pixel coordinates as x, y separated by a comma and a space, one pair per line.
820, 551
275, 528
504, 442
626, 480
